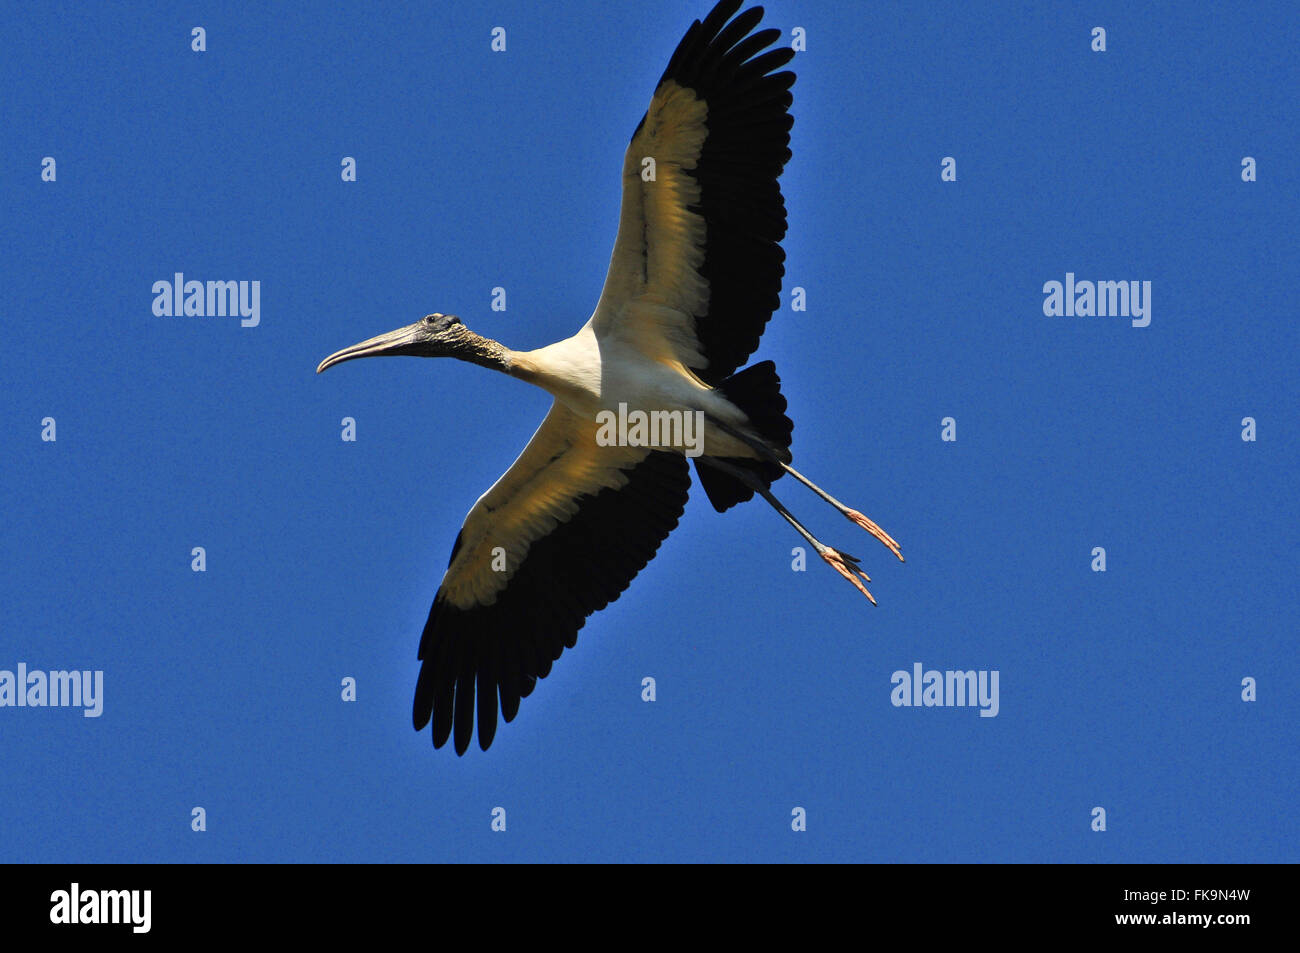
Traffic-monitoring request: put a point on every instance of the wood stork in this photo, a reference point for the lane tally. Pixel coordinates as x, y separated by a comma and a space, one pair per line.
694, 277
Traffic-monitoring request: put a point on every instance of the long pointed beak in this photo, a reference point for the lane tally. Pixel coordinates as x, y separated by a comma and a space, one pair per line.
402, 341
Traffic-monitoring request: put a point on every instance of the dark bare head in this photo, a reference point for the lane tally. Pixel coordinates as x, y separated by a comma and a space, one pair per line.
434, 335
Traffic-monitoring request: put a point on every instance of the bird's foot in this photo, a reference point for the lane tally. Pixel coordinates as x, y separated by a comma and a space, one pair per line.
847, 566
871, 527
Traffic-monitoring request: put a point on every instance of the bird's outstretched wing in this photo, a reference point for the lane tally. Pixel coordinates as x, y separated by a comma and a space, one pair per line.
559, 536
696, 269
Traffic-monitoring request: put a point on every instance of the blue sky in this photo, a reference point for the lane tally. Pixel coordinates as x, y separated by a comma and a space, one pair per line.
476, 170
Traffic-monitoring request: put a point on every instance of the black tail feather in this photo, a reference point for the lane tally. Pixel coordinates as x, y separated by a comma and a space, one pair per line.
757, 391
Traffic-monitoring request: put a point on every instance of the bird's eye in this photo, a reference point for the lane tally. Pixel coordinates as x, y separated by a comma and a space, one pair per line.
431, 318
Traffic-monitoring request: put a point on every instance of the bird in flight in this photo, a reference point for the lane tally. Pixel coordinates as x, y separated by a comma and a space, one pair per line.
694, 277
